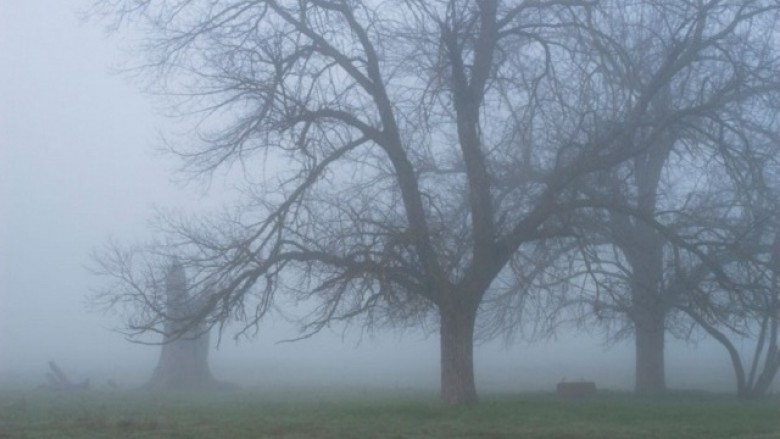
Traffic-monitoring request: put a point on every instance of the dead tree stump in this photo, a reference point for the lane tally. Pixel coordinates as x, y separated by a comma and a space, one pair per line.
184, 358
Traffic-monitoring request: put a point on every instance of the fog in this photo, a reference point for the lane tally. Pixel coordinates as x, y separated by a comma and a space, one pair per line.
78, 167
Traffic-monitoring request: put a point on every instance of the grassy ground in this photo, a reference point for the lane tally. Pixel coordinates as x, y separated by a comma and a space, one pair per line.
396, 415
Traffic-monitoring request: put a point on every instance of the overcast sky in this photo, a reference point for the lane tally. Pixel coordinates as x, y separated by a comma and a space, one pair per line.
78, 166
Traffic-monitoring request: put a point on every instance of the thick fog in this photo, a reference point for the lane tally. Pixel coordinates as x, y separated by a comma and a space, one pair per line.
78, 167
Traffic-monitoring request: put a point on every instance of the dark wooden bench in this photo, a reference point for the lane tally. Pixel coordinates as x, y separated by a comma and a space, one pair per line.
576, 389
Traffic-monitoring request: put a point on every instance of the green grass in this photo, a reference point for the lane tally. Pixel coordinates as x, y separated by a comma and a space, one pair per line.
392, 415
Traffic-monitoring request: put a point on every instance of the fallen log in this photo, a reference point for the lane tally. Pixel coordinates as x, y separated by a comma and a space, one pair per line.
57, 380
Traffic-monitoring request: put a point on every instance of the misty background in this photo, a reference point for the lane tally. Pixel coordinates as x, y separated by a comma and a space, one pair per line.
78, 167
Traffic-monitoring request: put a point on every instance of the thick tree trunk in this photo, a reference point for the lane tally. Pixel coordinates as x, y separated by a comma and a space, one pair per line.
457, 355
643, 247
649, 313
650, 370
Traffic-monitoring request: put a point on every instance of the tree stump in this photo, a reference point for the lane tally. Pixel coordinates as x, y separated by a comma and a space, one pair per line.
184, 358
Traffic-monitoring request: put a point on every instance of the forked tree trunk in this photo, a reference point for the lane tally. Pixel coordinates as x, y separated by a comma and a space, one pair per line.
457, 355
748, 386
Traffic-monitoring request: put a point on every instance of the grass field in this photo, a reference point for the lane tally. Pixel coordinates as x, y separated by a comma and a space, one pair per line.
256, 414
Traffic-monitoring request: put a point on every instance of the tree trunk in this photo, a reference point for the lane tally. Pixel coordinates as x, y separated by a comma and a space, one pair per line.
457, 354
649, 312
650, 371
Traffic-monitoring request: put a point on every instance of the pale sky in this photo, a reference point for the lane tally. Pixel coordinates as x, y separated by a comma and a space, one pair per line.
78, 166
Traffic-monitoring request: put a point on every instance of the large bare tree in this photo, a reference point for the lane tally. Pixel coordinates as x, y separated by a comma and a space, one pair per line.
621, 271
422, 148
668, 199
712, 262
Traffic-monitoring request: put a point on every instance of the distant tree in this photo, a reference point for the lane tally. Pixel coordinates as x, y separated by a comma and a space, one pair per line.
715, 268
623, 259
425, 148
667, 200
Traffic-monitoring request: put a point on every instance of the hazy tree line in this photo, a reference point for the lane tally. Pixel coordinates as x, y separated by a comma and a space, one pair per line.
474, 168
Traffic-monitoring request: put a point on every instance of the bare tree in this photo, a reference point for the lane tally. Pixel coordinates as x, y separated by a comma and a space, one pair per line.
426, 147
699, 166
716, 270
